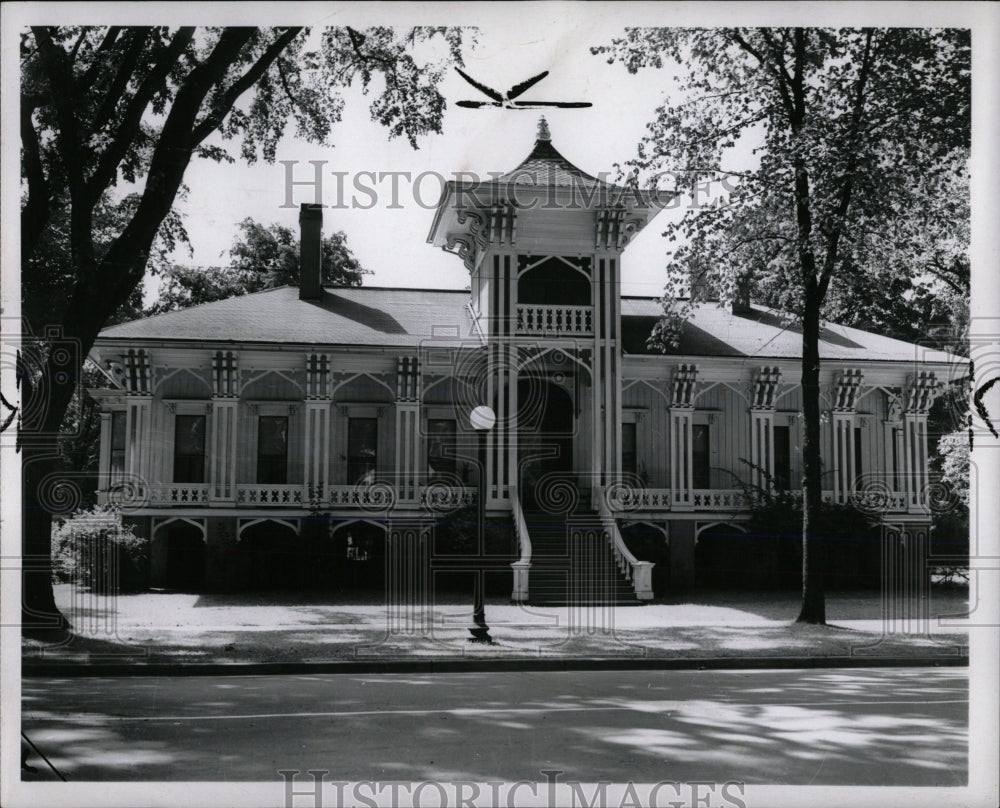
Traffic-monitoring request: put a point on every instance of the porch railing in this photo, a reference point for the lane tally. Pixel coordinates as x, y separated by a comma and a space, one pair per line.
523, 564
276, 495
638, 573
555, 320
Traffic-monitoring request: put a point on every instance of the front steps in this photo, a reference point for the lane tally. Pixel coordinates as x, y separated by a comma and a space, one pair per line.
572, 563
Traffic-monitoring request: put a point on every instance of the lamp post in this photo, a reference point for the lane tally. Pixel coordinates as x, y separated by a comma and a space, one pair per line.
482, 419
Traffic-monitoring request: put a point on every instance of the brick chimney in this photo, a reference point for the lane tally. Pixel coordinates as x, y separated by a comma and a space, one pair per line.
310, 252
741, 299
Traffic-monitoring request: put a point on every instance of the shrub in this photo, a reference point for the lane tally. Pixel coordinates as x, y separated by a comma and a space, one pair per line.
94, 548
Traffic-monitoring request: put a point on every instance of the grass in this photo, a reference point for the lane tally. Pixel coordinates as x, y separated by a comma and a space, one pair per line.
314, 626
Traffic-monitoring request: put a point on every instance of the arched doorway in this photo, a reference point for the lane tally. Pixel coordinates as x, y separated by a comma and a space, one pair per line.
178, 556
269, 556
545, 425
721, 557
357, 556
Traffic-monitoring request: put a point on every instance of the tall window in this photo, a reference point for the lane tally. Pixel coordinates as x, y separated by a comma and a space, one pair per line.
700, 456
362, 444
897, 458
441, 436
272, 449
117, 446
782, 458
628, 449
189, 449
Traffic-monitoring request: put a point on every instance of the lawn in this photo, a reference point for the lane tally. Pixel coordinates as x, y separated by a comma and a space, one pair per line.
314, 626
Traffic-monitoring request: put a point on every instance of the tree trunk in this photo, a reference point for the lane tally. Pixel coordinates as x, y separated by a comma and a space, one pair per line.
39, 613
813, 549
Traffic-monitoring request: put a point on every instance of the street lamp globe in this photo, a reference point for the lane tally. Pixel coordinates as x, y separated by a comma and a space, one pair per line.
482, 418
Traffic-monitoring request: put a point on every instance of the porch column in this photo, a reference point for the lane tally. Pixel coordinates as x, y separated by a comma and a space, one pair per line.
846, 386
921, 390
222, 451
319, 393
681, 458
762, 447
681, 451
407, 450
138, 438
844, 462
223, 439
915, 460
607, 373
104, 464
317, 449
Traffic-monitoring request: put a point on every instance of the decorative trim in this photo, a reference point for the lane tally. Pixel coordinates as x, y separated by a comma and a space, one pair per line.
845, 391
683, 382
921, 389
765, 382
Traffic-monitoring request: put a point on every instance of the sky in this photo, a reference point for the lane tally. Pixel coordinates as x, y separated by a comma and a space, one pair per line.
392, 242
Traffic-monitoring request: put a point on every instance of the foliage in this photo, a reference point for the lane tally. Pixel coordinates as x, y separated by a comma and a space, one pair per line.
102, 108
953, 462
94, 548
263, 257
458, 532
843, 125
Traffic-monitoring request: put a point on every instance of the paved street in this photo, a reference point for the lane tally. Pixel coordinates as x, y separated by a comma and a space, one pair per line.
902, 726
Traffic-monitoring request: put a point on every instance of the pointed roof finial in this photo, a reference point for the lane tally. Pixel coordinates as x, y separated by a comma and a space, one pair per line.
543, 129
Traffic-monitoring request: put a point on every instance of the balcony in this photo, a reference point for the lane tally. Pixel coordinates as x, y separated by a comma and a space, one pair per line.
555, 321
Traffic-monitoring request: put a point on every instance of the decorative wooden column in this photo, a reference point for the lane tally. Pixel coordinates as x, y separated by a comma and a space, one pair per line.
765, 383
607, 383
407, 456
138, 413
223, 436
317, 427
681, 412
842, 422
921, 390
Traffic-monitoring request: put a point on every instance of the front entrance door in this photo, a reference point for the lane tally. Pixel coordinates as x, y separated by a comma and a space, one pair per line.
546, 422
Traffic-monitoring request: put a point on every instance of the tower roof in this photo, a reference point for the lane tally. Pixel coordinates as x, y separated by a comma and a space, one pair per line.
545, 180
545, 166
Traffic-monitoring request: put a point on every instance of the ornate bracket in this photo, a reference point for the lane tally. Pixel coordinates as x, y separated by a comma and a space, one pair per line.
683, 383
845, 390
765, 383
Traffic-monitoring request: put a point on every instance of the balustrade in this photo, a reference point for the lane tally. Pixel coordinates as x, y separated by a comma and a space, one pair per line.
555, 320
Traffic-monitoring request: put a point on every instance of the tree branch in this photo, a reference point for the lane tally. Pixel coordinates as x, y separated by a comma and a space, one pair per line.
35, 213
124, 137
214, 118
87, 79
847, 189
137, 41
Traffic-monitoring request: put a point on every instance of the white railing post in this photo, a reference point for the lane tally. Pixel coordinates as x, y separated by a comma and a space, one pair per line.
522, 566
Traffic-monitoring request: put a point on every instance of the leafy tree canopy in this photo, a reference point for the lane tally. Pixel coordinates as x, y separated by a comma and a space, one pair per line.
263, 257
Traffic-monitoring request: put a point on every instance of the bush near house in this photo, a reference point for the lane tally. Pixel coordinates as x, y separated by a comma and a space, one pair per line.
853, 541
93, 548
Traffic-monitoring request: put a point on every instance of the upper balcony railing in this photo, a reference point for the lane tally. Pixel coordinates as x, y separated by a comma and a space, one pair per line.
536, 319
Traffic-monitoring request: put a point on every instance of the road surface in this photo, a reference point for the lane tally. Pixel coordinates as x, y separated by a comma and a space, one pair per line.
889, 726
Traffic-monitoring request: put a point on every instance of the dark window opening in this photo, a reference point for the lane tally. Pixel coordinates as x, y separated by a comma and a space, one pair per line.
189, 449
272, 449
782, 458
629, 449
553, 283
362, 445
700, 456
441, 435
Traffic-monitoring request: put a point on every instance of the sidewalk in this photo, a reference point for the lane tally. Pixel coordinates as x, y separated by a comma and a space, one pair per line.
312, 627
